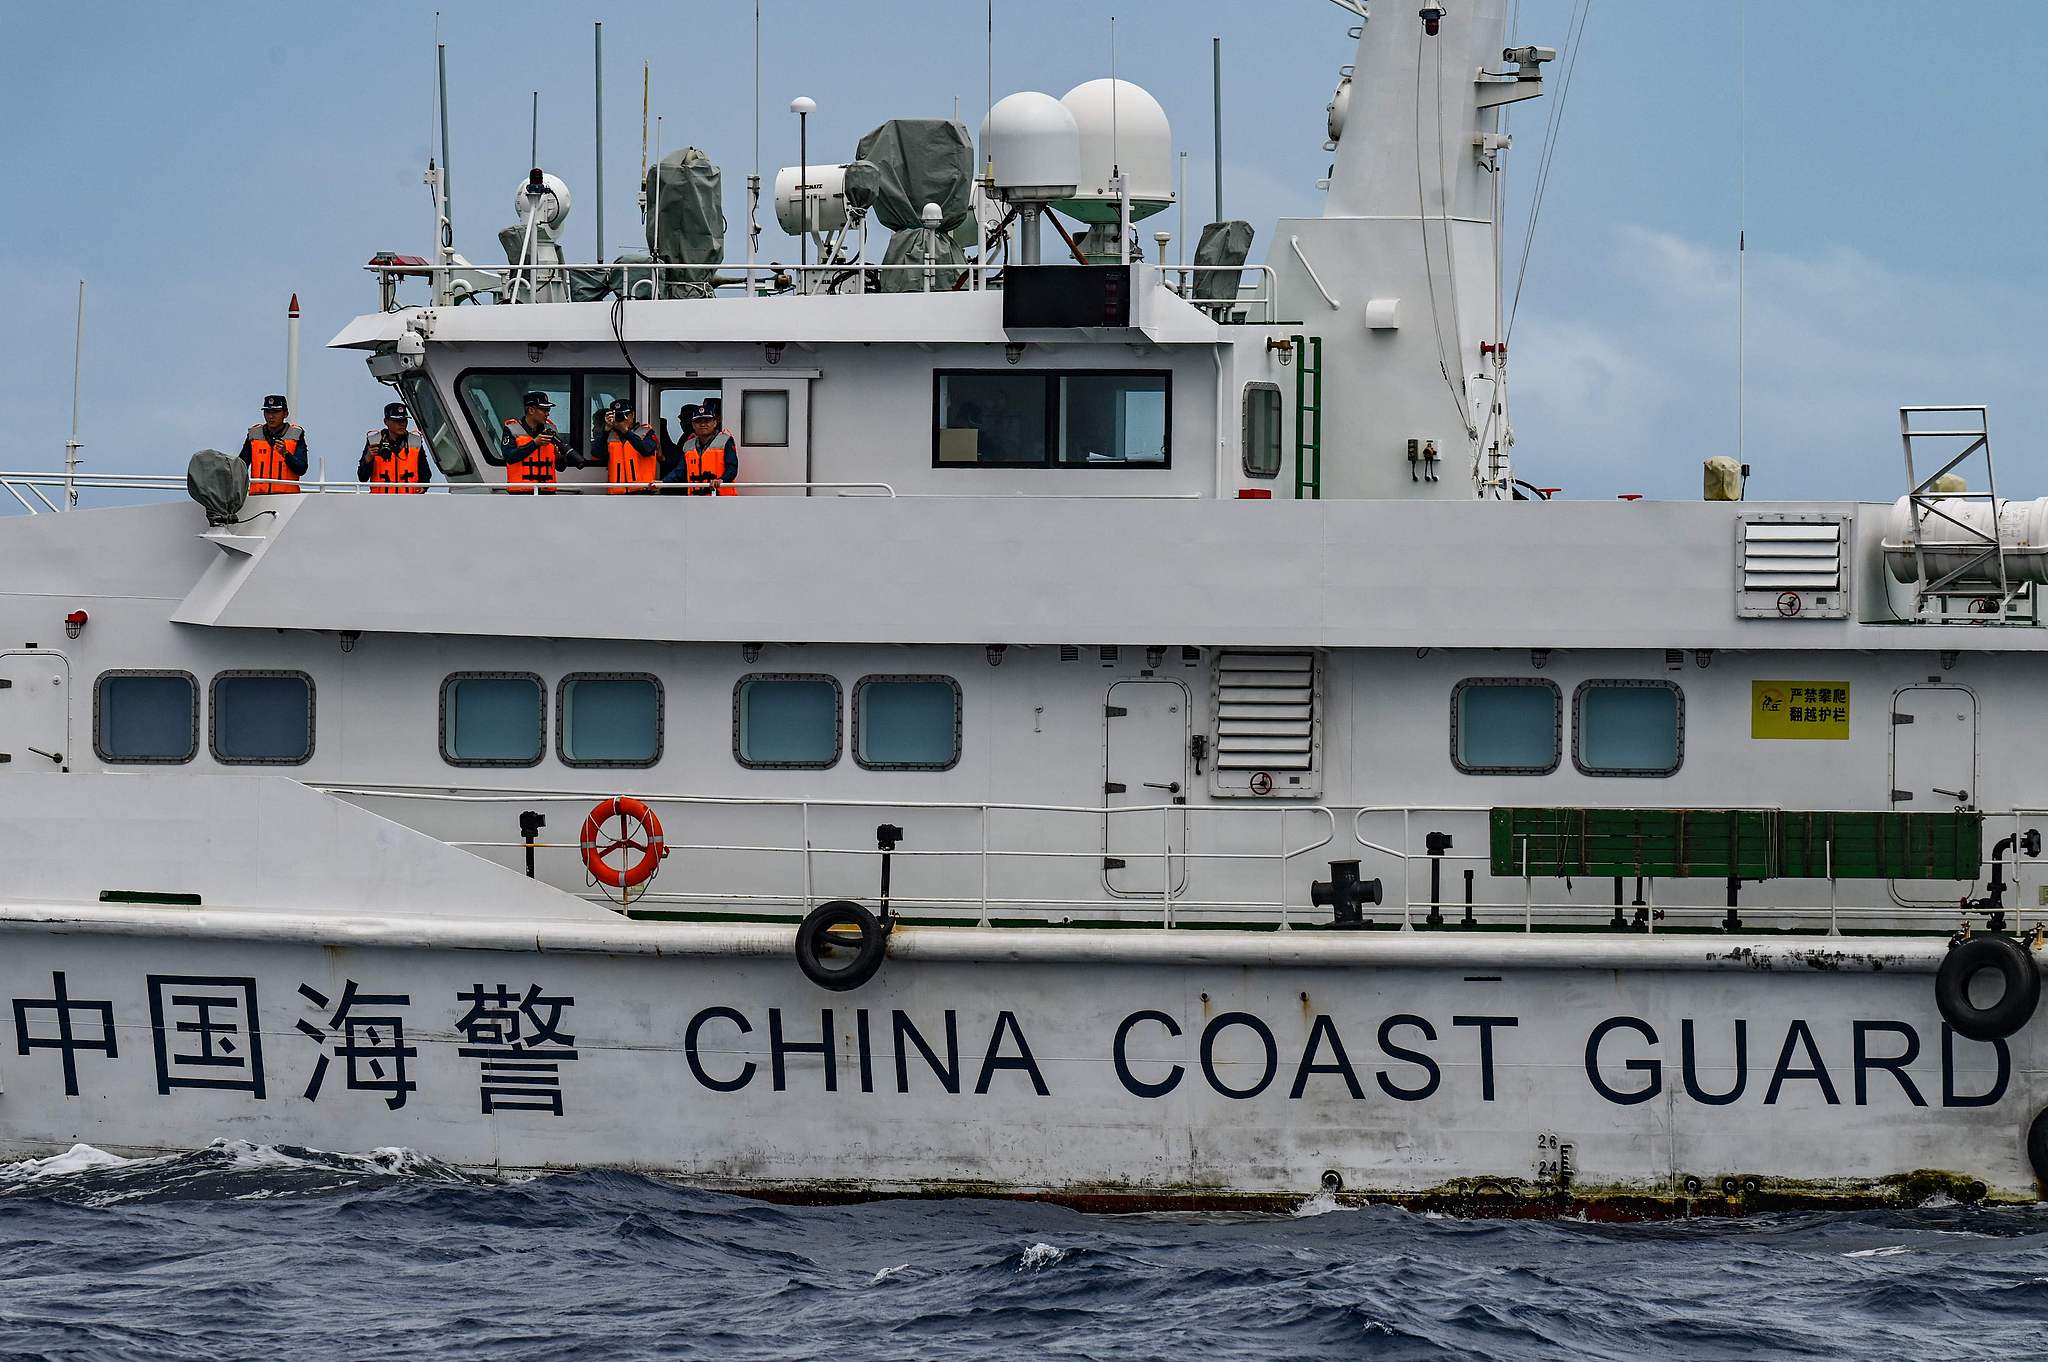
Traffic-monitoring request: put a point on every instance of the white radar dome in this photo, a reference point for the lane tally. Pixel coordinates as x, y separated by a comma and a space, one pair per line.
553, 200
1121, 126
1033, 146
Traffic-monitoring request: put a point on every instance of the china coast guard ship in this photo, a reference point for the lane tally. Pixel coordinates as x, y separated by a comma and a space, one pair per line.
1200, 772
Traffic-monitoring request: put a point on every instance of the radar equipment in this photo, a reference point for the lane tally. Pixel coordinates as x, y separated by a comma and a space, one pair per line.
533, 246
1032, 146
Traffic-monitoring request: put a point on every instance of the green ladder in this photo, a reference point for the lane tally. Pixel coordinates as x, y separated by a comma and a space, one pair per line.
1308, 418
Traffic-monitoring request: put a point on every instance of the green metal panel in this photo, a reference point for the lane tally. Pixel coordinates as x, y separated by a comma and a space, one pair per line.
1749, 844
1654, 842
1882, 846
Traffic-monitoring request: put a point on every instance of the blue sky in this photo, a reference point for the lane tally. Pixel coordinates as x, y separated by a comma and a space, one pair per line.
198, 163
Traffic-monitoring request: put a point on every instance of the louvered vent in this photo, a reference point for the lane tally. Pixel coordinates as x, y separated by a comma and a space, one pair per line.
1790, 567
1268, 725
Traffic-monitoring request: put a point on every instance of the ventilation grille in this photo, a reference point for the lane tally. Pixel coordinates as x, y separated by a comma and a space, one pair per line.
1266, 724
1790, 566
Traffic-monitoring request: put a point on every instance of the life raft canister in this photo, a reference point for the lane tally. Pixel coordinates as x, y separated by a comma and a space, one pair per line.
650, 844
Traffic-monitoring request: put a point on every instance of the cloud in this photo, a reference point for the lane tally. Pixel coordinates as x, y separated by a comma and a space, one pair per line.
1626, 381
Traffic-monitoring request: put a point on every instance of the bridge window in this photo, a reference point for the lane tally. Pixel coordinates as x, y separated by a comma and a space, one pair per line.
145, 716
1628, 728
435, 427
493, 719
1506, 726
610, 719
494, 396
262, 718
1261, 430
1080, 418
786, 721
906, 723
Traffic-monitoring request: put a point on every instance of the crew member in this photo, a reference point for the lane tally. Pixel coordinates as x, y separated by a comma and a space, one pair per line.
275, 450
628, 450
392, 458
530, 446
708, 460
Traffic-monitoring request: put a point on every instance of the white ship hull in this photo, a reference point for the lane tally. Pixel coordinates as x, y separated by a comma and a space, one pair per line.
1104, 1068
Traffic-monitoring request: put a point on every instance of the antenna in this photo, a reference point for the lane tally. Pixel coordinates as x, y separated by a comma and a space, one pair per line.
72, 446
1116, 169
1216, 85
447, 186
643, 138
754, 178
534, 158
1741, 218
598, 84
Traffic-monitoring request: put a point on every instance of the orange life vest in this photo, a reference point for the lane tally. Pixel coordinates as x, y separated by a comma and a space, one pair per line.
537, 467
407, 465
269, 471
625, 464
704, 470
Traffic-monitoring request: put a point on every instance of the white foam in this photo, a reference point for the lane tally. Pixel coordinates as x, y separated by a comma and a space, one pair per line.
79, 1158
1322, 1203
886, 1273
1890, 1251
1038, 1256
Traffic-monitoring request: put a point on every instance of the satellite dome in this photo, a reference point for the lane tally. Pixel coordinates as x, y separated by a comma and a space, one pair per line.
1033, 147
1121, 126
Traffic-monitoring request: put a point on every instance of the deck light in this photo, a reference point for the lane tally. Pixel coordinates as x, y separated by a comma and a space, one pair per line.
1432, 18
74, 624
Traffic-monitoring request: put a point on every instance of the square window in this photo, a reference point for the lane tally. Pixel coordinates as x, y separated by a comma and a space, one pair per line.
1629, 728
786, 721
764, 417
492, 719
1113, 419
610, 719
907, 723
146, 717
1506, 726
262, 718
994, 418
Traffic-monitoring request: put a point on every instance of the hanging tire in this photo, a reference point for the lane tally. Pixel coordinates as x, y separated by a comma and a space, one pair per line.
839, 945
2037, 1146
1968, 961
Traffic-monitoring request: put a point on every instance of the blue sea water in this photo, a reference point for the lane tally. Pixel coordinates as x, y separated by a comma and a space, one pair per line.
242, 1251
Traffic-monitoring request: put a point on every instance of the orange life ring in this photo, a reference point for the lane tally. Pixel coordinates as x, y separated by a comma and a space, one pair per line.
651, 845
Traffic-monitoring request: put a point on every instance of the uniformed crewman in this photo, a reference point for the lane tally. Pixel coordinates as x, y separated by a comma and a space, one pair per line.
393, 461
708, 460
628, 450
275, 450
531, 446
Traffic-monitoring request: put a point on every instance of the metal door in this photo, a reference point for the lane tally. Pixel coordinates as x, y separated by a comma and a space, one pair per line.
1145, 762
1934, 766
35, 713
770, 418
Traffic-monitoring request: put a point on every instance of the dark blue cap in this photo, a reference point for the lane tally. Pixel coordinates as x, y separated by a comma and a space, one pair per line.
394, 411
538, 399
274, 402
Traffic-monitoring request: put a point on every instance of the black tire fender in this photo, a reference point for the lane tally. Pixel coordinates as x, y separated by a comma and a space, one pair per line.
2037, 1146
821, 943
2012, 962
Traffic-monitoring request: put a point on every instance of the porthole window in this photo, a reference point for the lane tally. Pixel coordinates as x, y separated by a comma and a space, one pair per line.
610, 719
493, 719
906, 723
786, 721
1628, 728
1506, 726
146, 716
1261, 430
262, 718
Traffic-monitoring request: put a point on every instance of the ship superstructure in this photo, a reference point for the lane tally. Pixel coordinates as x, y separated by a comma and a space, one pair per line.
1199, 770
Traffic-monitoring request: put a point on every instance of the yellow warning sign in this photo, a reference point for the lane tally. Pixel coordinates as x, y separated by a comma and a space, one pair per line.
1799, 709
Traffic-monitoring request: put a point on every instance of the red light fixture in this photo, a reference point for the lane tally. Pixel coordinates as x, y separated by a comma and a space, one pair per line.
74, 624
1254, 494
1432, 18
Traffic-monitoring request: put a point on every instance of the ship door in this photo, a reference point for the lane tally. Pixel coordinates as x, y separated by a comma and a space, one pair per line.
1934, 766
1145, 763
770, 418
35, 713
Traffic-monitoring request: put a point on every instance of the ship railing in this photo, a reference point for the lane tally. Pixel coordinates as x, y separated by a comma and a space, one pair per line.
1252, 301
1281, 862
1915, 905
23, 486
